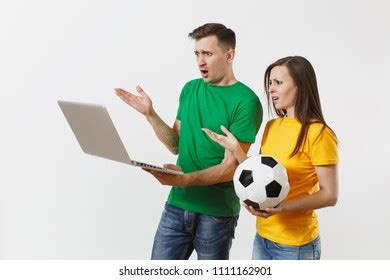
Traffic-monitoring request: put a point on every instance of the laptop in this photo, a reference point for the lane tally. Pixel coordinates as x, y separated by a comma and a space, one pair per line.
97, 135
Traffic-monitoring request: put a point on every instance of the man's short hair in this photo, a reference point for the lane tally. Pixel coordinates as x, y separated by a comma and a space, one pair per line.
225, 35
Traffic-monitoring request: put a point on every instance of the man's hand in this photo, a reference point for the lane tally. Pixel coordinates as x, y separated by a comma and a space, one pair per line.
170, 179
229, 142
142, 103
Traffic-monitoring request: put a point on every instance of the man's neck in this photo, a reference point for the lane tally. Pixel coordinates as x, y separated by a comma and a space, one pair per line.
228, 80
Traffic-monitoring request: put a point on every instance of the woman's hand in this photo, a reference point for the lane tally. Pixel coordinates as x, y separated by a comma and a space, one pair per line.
268, 212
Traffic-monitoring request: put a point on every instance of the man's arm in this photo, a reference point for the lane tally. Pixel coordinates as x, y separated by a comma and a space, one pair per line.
143, 104
168, 136
220, 173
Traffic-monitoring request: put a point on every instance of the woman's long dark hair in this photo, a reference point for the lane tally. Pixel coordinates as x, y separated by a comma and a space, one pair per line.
307, 107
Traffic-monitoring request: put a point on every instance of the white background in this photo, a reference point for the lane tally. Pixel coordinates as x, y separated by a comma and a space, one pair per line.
58, 203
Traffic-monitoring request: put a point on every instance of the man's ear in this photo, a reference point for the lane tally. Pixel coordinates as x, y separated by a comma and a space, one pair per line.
230, 55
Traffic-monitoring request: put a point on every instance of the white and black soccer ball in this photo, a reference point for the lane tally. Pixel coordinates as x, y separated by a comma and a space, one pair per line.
261, 181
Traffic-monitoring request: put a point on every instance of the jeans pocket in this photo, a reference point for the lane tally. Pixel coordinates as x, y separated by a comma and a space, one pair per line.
219, 227
284, 247
219, 219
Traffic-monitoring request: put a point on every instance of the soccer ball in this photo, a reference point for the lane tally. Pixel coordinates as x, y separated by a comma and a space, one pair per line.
261, 181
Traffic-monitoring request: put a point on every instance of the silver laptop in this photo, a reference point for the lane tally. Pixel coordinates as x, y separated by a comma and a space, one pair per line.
97, 136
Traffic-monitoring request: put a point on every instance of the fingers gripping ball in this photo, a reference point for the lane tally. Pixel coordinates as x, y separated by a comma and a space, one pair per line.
261, 181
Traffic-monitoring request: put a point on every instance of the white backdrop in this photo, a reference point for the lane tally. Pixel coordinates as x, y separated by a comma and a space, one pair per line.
58, 203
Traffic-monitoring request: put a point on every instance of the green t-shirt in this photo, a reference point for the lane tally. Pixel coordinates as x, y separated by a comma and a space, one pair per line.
236, 107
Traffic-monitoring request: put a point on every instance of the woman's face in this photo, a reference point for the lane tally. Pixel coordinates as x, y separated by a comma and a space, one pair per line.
282, 89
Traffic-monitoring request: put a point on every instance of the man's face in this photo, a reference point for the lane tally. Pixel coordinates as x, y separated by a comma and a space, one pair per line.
213, 59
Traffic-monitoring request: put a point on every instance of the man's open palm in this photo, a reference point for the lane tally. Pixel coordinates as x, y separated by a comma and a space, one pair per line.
142, 103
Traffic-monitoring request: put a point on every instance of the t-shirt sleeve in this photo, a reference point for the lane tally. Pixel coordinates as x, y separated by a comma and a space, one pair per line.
247, 121
180, 109
323, 150
265, 134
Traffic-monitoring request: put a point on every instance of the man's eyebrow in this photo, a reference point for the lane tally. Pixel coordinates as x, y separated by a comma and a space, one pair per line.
202, 51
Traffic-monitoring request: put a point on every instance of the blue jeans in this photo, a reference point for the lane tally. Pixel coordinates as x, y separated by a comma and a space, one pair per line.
264, 249
181, 231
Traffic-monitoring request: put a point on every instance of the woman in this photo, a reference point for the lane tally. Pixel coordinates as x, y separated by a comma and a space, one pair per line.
301, 140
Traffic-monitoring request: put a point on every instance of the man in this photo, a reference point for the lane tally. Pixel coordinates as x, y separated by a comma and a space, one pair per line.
202, 209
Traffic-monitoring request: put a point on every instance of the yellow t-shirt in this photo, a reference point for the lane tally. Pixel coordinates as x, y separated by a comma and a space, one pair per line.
279, 140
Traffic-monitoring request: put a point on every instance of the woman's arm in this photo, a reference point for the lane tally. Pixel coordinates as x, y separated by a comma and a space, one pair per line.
325, 197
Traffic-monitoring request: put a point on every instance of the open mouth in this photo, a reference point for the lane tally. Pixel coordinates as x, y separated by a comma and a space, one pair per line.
275, 99
204, 73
